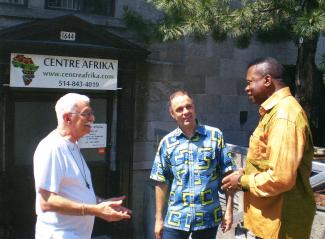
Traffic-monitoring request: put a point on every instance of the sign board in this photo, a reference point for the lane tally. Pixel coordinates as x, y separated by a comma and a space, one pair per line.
43, 71
96, 138
67, 36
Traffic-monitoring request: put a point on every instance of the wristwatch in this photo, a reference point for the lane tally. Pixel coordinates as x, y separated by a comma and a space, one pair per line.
239, 184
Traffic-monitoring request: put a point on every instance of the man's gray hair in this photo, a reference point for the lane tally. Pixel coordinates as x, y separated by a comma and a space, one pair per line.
68, 103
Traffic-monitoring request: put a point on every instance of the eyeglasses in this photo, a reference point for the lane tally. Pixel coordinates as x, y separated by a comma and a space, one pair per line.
84, 114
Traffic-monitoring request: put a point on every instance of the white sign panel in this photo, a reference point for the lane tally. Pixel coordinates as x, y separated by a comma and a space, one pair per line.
96, 138
41, 71
67, 36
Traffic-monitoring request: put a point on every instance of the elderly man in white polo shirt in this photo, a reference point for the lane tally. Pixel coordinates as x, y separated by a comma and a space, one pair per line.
66, 204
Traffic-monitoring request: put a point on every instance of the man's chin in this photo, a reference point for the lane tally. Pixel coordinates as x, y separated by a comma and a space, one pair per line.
188, 123
252, 99
87, 130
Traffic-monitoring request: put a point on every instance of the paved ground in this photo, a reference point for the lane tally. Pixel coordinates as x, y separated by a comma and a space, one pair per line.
318, 229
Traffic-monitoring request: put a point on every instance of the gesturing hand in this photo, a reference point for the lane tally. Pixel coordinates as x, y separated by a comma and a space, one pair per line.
112, 210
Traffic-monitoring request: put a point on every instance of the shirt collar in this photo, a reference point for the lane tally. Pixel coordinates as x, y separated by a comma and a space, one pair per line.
200, 129
274, 99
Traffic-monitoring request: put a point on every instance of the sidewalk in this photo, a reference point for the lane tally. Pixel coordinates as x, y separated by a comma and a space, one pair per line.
318, 229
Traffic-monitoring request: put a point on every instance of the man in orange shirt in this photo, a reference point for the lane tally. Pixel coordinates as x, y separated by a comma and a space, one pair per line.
278, 198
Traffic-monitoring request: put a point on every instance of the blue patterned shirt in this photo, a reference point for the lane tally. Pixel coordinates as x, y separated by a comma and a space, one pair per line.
194, 168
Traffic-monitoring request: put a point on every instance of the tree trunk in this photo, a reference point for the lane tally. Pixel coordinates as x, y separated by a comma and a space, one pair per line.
307, 83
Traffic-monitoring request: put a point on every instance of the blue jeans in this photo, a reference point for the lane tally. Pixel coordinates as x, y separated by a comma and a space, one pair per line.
170, 233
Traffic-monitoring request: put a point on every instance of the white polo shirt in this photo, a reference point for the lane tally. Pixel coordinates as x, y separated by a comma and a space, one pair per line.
58, 168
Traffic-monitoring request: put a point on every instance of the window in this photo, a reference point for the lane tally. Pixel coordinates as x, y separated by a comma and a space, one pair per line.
18, 2
64, 4
99, 7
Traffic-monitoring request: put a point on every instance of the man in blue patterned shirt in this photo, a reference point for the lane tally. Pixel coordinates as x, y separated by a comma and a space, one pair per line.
190, 161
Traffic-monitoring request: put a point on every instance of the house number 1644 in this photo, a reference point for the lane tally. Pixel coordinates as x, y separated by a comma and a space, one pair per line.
67, 36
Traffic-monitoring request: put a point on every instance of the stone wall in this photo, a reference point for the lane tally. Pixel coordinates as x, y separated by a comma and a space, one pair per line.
214, 73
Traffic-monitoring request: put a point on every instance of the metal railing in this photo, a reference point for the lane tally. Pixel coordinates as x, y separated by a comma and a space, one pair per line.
317, 180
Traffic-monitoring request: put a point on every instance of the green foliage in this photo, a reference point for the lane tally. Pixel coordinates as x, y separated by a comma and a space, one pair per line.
145, 29
310, 24
270, 20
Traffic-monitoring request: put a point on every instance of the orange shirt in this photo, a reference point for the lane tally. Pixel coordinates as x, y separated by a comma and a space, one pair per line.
279, 202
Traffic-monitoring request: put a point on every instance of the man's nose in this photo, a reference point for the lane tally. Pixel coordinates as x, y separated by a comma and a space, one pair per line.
246, 89
92, 117
185, 110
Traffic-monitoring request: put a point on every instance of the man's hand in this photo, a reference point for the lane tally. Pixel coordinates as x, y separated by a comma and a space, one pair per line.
230, 182
161, 190
227, 221
112, 210
159, 227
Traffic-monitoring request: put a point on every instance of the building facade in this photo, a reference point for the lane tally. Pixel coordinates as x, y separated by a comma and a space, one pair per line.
135, 113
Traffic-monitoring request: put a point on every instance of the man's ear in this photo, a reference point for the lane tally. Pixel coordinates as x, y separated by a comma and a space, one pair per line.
66, 117
171, 113
268, 80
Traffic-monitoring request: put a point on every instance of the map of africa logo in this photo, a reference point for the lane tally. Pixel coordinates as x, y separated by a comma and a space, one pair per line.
28, 67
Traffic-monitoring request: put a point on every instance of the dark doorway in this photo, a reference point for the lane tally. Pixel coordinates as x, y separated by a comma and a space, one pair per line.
32, 117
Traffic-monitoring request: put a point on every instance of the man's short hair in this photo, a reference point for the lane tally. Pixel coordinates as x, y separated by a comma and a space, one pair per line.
177, 93
68, 103
269, 65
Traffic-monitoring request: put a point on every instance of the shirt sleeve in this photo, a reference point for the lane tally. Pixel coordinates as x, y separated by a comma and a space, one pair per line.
160, 170
226, 162
284, 150
48, 170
